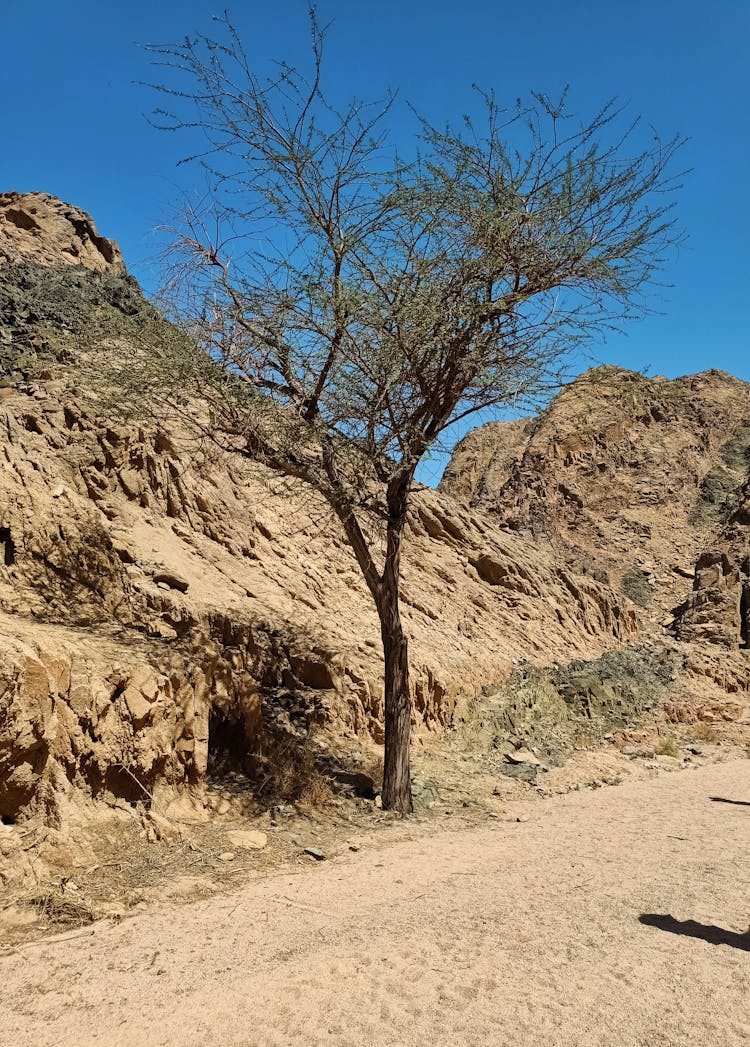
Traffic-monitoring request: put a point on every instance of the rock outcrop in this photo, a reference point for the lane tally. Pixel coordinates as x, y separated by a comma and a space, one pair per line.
164, 603
626, 476
39, 228
160, 598
644, 483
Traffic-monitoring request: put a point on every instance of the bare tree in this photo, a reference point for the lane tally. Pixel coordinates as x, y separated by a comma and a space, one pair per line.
349, 306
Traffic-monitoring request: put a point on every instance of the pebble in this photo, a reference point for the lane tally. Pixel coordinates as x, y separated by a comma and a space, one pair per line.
523, 756
318, 855
248, 839
227, 856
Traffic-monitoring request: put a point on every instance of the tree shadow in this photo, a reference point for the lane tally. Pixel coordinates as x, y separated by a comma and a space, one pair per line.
723, 799
707, 932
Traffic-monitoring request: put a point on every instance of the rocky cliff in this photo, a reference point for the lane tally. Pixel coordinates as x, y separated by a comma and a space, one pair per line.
643, 483
161, 600
164, 604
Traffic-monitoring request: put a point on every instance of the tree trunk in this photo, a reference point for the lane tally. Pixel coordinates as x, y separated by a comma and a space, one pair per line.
385, 590
396, 772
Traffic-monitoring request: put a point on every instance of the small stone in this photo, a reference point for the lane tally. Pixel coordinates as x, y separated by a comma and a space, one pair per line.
172, 580
227, 856
354, 847
525, 772
522, 818
637, 751
523, 756
248, 839
315, 853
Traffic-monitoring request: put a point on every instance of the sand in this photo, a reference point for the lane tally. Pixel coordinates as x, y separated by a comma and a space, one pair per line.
517, 933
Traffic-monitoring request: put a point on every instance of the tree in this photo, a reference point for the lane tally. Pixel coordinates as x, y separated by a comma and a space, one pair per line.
349, 305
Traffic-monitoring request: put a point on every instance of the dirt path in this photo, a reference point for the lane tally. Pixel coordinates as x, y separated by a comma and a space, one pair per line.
519, 933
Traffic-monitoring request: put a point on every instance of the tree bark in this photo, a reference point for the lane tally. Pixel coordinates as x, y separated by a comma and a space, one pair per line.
385, 590
397, 770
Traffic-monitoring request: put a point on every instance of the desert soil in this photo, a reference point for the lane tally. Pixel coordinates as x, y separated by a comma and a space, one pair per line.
611, 917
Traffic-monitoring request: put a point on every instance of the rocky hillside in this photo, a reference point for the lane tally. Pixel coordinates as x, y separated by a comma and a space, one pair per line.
644, 484
165, 606
718, 609
627, 477
161, 601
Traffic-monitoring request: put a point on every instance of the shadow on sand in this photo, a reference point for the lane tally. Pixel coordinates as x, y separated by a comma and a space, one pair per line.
707, 932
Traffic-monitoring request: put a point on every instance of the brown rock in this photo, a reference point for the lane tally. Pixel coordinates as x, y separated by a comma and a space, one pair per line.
105, 677
172, 580
248, 839
138, 708
40, 228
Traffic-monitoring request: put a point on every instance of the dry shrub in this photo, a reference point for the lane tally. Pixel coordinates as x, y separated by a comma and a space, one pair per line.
667, 747
583, 739
373, 767
61, 907
704, 732
292, 776
316, 793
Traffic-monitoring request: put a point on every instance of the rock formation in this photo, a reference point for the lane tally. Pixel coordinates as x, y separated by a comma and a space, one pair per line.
644, 483
156, 593
162, 601
39, 228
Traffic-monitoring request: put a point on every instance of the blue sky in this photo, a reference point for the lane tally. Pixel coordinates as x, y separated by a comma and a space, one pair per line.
73, 115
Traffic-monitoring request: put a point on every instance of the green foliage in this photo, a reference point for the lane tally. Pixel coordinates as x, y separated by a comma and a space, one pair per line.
45, 311
382, 297
719, 487
570, 706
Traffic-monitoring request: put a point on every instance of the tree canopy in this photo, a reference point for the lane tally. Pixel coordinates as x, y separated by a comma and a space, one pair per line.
351, 300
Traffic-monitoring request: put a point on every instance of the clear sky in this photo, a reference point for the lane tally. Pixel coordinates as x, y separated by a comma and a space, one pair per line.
73, 115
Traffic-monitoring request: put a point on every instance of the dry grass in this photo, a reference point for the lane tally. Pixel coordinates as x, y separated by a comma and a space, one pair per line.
668, 747
315, 793
292, 776
373, 766
704, 732
583, 739
58, 906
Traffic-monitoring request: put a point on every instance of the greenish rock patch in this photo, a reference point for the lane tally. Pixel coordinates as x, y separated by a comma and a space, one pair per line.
553, 711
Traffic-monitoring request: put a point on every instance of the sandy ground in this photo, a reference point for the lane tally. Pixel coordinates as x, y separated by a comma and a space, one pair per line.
522, 933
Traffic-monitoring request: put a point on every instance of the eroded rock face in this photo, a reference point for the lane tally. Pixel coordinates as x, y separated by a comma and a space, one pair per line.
228, 584
643, 482
160, 598
37, 227
156, 593
483, 462
717, 611
626, 476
